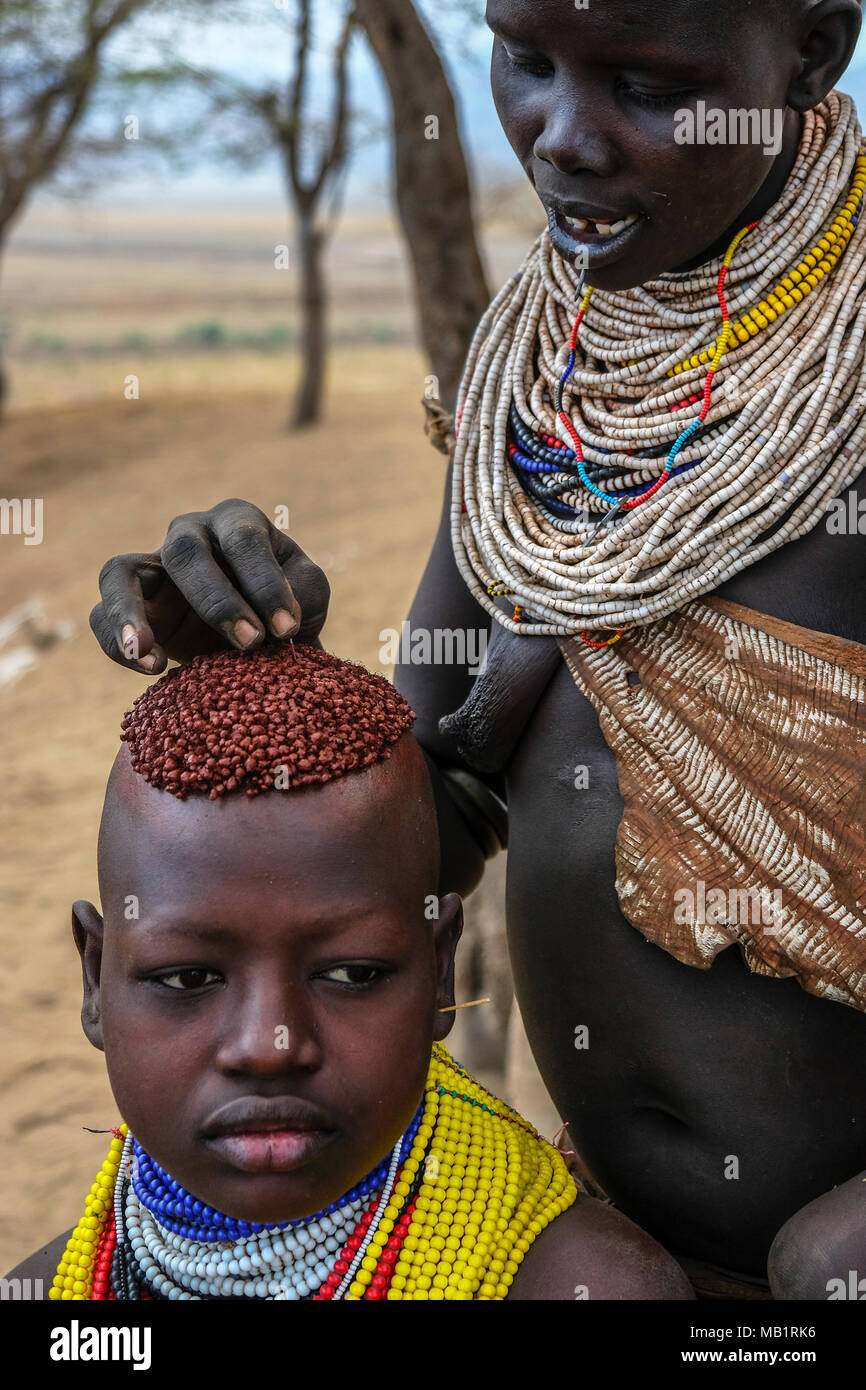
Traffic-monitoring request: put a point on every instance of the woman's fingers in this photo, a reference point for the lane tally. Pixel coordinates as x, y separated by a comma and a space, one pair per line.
227, 571
119, 621
248, 545
189, 561
311, 589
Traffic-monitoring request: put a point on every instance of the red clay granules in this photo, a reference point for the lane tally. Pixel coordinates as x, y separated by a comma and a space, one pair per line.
275, 718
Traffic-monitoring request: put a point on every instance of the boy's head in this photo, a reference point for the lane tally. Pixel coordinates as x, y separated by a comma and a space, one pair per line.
595, 97
270, 968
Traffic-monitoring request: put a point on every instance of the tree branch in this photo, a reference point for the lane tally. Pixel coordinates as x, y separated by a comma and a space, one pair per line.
334, 156
297, 89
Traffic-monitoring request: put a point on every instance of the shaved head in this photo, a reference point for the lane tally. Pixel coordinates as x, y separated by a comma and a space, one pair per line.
267, 940
326, 739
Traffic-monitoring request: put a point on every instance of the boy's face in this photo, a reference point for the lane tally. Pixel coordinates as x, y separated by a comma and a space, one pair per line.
589, 97
267, 1017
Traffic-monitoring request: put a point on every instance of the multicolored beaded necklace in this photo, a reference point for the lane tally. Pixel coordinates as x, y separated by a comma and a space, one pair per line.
569, 420
449, 1215
633, 496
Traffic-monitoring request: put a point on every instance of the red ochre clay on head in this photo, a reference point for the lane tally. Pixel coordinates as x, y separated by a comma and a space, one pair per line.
275, 718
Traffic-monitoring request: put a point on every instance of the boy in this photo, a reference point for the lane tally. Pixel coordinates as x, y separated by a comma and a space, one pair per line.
266, 979
657, 416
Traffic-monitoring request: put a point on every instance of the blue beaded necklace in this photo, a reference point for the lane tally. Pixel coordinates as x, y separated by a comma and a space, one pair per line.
180, 1212
541, 467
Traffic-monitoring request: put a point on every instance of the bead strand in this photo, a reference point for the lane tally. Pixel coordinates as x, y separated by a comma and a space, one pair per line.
745, 467
465, 1193
74, 1277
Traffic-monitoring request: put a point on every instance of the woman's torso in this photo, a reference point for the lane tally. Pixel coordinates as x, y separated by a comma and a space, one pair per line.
709, 1104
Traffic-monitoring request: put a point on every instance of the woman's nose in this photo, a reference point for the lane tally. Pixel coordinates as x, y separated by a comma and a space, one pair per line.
268, 1031
572, 140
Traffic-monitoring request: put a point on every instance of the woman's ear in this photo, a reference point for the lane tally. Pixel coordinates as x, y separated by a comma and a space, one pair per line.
87, 930
447, 930
827, 45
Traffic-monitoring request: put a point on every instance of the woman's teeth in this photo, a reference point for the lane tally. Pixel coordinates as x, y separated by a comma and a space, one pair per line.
585, 224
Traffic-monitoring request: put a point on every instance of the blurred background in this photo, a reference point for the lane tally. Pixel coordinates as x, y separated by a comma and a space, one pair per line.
241, 245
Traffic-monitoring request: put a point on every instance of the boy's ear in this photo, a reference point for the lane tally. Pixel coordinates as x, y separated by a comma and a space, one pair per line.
447, 930
826, 49
87, 929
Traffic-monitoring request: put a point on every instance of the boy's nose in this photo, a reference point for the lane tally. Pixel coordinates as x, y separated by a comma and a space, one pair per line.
270, 1032
573, 144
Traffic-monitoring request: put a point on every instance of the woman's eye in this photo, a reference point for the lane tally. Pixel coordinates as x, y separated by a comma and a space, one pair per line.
355, 976
529, 62
195, 977
656, 99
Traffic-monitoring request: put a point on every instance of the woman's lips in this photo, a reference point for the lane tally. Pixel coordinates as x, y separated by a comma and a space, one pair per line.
597, 242
272, 1150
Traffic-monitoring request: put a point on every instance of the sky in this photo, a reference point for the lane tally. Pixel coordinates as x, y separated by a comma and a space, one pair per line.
262, 48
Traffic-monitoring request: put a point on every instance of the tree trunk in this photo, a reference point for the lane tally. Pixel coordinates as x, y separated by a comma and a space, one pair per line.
308, 400
432, 187
4, 380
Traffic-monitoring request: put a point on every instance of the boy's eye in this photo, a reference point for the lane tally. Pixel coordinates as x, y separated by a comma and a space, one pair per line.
353, 976
532, 63
193, 977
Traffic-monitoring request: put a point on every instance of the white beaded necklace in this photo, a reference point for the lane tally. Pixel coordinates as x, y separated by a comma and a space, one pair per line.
782, 440
274, 1265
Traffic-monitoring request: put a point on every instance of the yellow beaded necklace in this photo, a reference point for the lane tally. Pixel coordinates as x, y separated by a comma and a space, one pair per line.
798, 283
491, 1185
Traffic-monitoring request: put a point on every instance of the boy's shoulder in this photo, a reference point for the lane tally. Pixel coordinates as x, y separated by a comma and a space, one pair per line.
34, 1276
594, 1252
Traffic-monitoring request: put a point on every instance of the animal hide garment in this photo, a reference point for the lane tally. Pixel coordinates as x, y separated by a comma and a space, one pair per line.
740, 743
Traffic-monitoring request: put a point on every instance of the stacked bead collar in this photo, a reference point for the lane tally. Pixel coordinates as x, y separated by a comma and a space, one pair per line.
782, 437
458, 1208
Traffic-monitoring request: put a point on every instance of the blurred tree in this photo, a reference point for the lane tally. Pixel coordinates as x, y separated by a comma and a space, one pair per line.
308, 191
245, 122
52, 57
432, 187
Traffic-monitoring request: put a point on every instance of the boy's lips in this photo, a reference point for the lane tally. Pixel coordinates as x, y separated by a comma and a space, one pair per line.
599, 237
268, 1134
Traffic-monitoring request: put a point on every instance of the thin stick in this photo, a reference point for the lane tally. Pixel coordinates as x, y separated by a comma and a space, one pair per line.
452, 1008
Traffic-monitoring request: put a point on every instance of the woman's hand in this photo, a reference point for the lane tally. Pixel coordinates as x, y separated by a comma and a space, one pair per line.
223, 578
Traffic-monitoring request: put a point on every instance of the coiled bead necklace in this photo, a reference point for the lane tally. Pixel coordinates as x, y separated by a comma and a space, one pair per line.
564, 424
